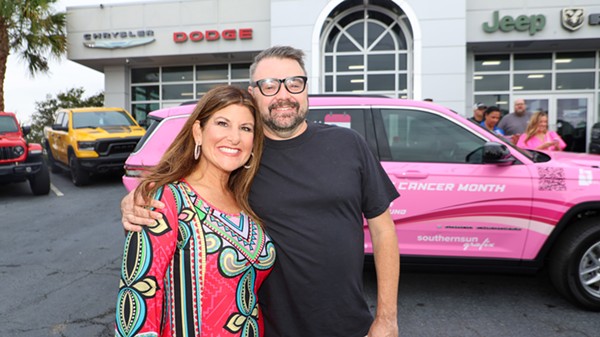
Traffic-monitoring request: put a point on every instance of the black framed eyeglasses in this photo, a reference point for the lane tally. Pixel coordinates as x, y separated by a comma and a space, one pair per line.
270, 86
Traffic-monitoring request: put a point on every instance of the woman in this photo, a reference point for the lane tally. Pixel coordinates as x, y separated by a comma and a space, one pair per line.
491, 117
538, 137
197, 271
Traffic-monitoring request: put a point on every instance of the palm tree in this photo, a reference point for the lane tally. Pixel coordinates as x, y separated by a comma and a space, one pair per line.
33, 30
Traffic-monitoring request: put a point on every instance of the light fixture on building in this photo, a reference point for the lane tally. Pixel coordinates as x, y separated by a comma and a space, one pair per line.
356, 67
563, 60
479, 77
357, 80
536, 76
518, 87
490, 63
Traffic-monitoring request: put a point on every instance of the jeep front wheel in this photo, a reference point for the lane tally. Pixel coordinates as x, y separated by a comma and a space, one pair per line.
40, 182
575, 263
79, 176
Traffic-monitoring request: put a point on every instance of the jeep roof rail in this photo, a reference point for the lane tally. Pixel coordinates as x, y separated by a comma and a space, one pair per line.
349, 95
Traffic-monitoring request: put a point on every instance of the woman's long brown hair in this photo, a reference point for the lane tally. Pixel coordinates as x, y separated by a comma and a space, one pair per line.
178, 161
533, 123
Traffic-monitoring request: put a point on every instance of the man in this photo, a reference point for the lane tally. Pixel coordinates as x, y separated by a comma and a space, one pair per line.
515, 123
478, 110
315, 184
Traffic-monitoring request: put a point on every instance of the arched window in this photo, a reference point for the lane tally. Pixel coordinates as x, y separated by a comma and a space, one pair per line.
367, 48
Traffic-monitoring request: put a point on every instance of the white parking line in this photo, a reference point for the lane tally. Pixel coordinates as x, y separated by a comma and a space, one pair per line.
56, 190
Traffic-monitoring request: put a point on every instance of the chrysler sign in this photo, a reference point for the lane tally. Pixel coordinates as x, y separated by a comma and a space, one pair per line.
213, 35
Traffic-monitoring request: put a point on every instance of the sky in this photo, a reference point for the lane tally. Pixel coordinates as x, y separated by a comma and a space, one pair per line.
22, 91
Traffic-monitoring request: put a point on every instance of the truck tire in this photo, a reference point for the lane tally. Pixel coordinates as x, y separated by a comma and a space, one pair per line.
79, 176
40, 182
51, 161
575, 264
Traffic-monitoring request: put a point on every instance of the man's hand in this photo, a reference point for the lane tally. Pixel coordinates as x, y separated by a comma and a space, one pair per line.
384, 327
137, 214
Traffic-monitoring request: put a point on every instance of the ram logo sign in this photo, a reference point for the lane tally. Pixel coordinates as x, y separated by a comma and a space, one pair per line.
572, 18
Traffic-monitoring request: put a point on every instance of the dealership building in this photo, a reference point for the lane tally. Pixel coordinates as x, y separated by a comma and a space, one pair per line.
161, 53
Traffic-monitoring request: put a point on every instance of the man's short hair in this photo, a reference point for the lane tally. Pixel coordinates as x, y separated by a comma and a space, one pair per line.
479, 105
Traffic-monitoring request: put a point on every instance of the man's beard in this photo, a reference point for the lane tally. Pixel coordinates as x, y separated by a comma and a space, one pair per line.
298, 117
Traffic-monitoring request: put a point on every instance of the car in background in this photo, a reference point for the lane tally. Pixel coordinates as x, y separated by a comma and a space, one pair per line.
85, 141
19, 160
468, 198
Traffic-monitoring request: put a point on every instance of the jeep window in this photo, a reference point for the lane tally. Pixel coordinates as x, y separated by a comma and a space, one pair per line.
154, 121
8, 124
420, 136
350, 118
94, 119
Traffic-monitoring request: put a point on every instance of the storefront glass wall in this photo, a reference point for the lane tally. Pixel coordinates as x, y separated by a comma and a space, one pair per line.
159, 87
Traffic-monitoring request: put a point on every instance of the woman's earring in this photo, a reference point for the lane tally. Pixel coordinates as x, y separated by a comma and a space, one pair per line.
197, 150
251, 157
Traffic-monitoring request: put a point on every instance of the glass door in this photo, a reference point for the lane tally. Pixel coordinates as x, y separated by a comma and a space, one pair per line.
571, 115
573, 119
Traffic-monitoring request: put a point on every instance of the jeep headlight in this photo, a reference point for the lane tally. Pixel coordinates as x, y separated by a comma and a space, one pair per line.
86, 146
18, 150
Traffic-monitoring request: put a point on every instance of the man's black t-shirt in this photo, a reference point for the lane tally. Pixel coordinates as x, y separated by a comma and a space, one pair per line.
311, 193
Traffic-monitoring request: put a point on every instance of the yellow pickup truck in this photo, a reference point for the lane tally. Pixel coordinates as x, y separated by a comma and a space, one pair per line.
85, 141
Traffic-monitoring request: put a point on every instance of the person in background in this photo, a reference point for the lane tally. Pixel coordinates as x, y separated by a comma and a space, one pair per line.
491, 116
196, 270
514, 123
307, 169
478, 110
538, 137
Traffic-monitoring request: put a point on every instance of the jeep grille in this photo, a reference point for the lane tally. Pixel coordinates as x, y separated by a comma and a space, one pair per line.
105, 148
7, 153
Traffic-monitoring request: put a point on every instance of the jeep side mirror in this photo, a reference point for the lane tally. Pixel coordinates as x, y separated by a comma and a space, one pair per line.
26, 130
58, 127
491, 153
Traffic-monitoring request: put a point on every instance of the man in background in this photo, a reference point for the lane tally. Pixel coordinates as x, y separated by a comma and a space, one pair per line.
478, 110
515, 123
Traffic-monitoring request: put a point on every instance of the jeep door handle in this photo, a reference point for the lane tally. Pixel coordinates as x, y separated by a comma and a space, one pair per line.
411, 175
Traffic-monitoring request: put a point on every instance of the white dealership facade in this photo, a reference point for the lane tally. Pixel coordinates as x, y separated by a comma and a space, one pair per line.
457, 52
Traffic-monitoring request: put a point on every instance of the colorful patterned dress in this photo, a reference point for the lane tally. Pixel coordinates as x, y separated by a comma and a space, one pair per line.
195, 272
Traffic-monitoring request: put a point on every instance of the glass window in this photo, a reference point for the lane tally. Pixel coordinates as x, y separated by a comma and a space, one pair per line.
567, 81
145, 93
501, 101
386, 43
144, 75
329, 83
402, 62
491, 82
350, 63
417, 136
349, 83
492, 62
177, 91
380, 62
211, 73
533, 81
8, 124
383, 82
141, 111
350, 118
177, 74
575, 60
533, 61
240, 71
360, 40
203, 88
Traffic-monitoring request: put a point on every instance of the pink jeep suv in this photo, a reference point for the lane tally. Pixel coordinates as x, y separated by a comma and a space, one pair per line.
467, 197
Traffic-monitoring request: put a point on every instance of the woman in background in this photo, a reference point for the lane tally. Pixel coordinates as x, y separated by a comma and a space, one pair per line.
538, 137
491, 117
